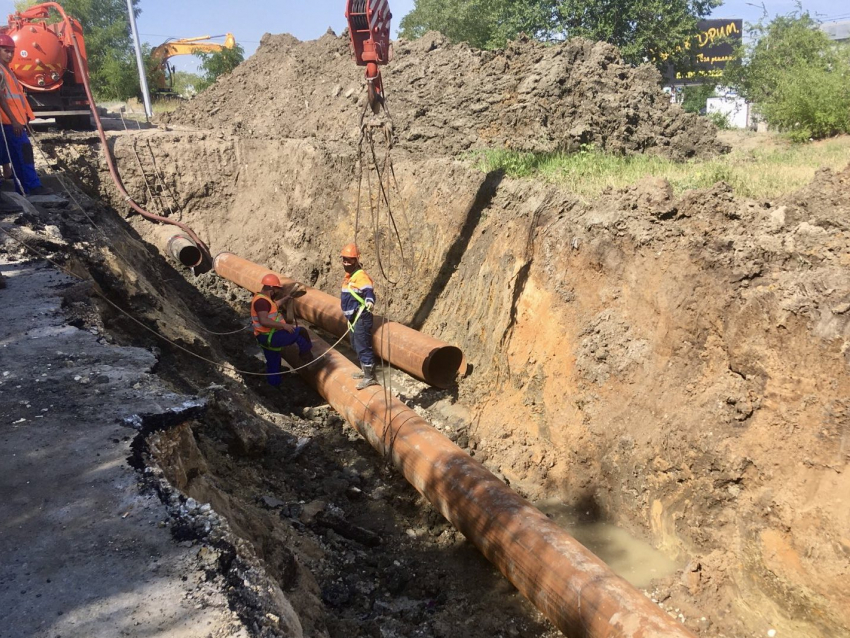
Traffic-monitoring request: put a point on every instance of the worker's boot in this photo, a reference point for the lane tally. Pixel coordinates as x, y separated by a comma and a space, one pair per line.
8, 206
360, 373
368, 377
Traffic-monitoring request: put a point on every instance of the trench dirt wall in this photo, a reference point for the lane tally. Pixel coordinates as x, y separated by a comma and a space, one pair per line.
679, 363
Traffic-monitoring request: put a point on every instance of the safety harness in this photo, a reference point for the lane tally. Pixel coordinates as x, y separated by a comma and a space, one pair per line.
256, 323
358, 299
269, 336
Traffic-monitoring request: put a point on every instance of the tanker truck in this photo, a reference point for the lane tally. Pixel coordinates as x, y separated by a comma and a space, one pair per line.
46, 64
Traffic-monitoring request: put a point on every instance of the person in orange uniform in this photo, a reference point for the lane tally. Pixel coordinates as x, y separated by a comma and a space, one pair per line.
357, 300
16, 113
271, 330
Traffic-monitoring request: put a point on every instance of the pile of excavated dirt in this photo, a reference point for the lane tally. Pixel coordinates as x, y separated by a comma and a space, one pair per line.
447, 98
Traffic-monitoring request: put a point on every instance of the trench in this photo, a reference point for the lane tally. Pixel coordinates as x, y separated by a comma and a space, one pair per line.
207, 457
355, 548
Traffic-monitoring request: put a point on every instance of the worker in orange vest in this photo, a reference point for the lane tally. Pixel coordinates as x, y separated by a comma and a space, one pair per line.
16, 113
6, 206
357, 300
271, 330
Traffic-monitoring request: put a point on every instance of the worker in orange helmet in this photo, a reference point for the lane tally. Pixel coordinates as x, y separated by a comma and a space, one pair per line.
358, 300
16, 113
271, 330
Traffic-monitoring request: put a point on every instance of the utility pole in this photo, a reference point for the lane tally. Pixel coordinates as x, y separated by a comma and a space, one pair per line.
143, 80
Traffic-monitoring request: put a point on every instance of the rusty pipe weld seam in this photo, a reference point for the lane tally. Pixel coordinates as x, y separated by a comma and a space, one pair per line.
420, 355
110, 162
566, 582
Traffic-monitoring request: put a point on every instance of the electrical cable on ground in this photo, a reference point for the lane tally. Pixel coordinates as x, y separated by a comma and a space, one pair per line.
61, 178
113, 171
222, 366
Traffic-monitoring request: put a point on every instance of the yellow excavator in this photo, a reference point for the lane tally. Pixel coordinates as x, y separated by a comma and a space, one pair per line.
163, 74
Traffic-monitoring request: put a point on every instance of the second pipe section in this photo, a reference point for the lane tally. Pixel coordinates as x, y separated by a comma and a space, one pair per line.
421, 356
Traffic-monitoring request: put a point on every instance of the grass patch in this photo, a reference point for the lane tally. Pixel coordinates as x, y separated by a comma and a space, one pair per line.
166, 104
761, 167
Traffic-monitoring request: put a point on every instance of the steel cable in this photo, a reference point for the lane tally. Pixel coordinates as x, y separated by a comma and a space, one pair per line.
61, 178
226, 367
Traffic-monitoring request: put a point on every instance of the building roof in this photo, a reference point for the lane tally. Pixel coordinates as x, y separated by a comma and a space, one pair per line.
839, 30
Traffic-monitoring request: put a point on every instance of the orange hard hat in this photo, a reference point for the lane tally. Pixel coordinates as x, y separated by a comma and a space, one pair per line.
271, 280
350, 250
6, 41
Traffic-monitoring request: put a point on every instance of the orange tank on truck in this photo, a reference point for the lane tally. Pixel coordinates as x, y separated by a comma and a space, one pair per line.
46, 63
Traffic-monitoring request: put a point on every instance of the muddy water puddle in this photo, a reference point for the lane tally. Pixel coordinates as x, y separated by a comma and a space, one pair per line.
633, 559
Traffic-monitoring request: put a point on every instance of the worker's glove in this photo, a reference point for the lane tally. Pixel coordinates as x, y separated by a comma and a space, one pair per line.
369, 306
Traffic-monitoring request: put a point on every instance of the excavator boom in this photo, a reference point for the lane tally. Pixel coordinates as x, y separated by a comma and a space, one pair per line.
185, 46
189, 46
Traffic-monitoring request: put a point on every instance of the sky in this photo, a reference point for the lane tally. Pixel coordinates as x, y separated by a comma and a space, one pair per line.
247, 21
250, 19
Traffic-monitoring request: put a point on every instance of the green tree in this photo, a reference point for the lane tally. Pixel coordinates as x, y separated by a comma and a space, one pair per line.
186, 84
219, 63
798, 79
640, 28
109, 47
485, 24
694, 97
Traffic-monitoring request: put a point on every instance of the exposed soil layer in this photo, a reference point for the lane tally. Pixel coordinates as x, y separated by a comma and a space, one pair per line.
448, 98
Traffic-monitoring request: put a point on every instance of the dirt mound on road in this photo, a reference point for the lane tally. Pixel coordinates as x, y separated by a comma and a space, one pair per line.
448, 98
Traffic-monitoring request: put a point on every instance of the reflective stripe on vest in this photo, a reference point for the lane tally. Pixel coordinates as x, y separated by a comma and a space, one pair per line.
260, 329
16, 99
351, 292
358, 299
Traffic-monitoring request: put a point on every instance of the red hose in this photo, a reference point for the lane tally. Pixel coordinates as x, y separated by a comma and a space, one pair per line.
110, 162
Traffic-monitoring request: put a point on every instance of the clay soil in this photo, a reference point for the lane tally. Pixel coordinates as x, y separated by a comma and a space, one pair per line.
677, 365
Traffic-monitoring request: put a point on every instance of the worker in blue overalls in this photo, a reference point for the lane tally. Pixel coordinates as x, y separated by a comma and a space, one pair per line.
15, 113
358, 300
272, 332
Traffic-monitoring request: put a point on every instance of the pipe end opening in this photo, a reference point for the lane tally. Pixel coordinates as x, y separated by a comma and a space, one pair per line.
191, 256
443, 365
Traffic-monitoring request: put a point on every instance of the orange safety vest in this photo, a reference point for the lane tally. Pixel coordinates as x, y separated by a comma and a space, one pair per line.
15, 98
260, 329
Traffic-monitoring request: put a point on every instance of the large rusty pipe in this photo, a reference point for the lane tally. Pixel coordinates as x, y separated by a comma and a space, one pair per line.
571, 586
184, 249
421, 356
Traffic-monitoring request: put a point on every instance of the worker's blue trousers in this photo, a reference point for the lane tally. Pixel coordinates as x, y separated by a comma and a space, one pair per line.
20, 152
281, 339
361, 339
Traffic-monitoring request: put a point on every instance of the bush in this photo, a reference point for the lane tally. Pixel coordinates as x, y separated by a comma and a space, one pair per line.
720, 120
695, 96
798, 79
